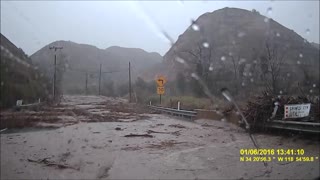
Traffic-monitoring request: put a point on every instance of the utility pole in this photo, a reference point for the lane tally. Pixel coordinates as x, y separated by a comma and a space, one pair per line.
129, 82
86, 83
55, 48
100, 78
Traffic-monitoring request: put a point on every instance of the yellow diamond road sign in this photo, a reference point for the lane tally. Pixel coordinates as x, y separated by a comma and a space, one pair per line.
161, 80
160, 90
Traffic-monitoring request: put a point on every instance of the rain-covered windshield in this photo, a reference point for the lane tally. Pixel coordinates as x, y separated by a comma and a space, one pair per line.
159, 90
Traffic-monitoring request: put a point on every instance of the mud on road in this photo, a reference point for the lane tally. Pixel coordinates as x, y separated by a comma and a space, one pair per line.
108, 138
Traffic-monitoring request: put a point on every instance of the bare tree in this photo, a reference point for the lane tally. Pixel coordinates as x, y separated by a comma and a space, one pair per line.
271, 65
202, 59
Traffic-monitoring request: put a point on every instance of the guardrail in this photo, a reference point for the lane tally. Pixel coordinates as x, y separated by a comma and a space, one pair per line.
175, 112
310, 127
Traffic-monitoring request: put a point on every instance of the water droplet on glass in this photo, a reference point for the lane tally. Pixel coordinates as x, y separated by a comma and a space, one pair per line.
250, 74
233, 42
223, 119
269, 10
205, 44
314, 85
194, 26
241, 34
230, 53
223, 58
280, 92
288, 74
67, 65
301, 55
2, 83
180, 60
311, 91
251, 80
242, 60
266, 20
244, 74
195, 76
279, 96
211, 67
278, 34
255, 61
298, 62
308, 31
243, 84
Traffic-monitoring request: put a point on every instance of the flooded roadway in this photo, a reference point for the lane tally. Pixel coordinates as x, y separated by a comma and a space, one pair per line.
167, 148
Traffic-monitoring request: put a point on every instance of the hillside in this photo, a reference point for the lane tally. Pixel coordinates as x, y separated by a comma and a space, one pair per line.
20, 79
77, 59
228, 44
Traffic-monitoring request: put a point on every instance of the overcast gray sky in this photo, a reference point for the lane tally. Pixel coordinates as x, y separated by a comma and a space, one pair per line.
31, 25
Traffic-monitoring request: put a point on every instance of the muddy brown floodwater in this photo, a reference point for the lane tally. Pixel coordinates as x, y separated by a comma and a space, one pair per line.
108, 138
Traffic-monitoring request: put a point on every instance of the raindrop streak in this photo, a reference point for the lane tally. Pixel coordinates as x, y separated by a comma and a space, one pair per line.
269, 10
226, 94
308, 31
168, 37
301, 55
205, 44
194, 26
180, 60
223, 58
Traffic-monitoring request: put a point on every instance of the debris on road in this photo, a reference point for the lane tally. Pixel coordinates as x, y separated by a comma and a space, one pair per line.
165, 144
135, 148
139, 135
177, 126
46, 162
174, 133
260, 108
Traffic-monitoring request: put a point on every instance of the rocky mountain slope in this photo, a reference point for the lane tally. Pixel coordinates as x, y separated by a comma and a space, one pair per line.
78, 59
20, 79
228, 33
